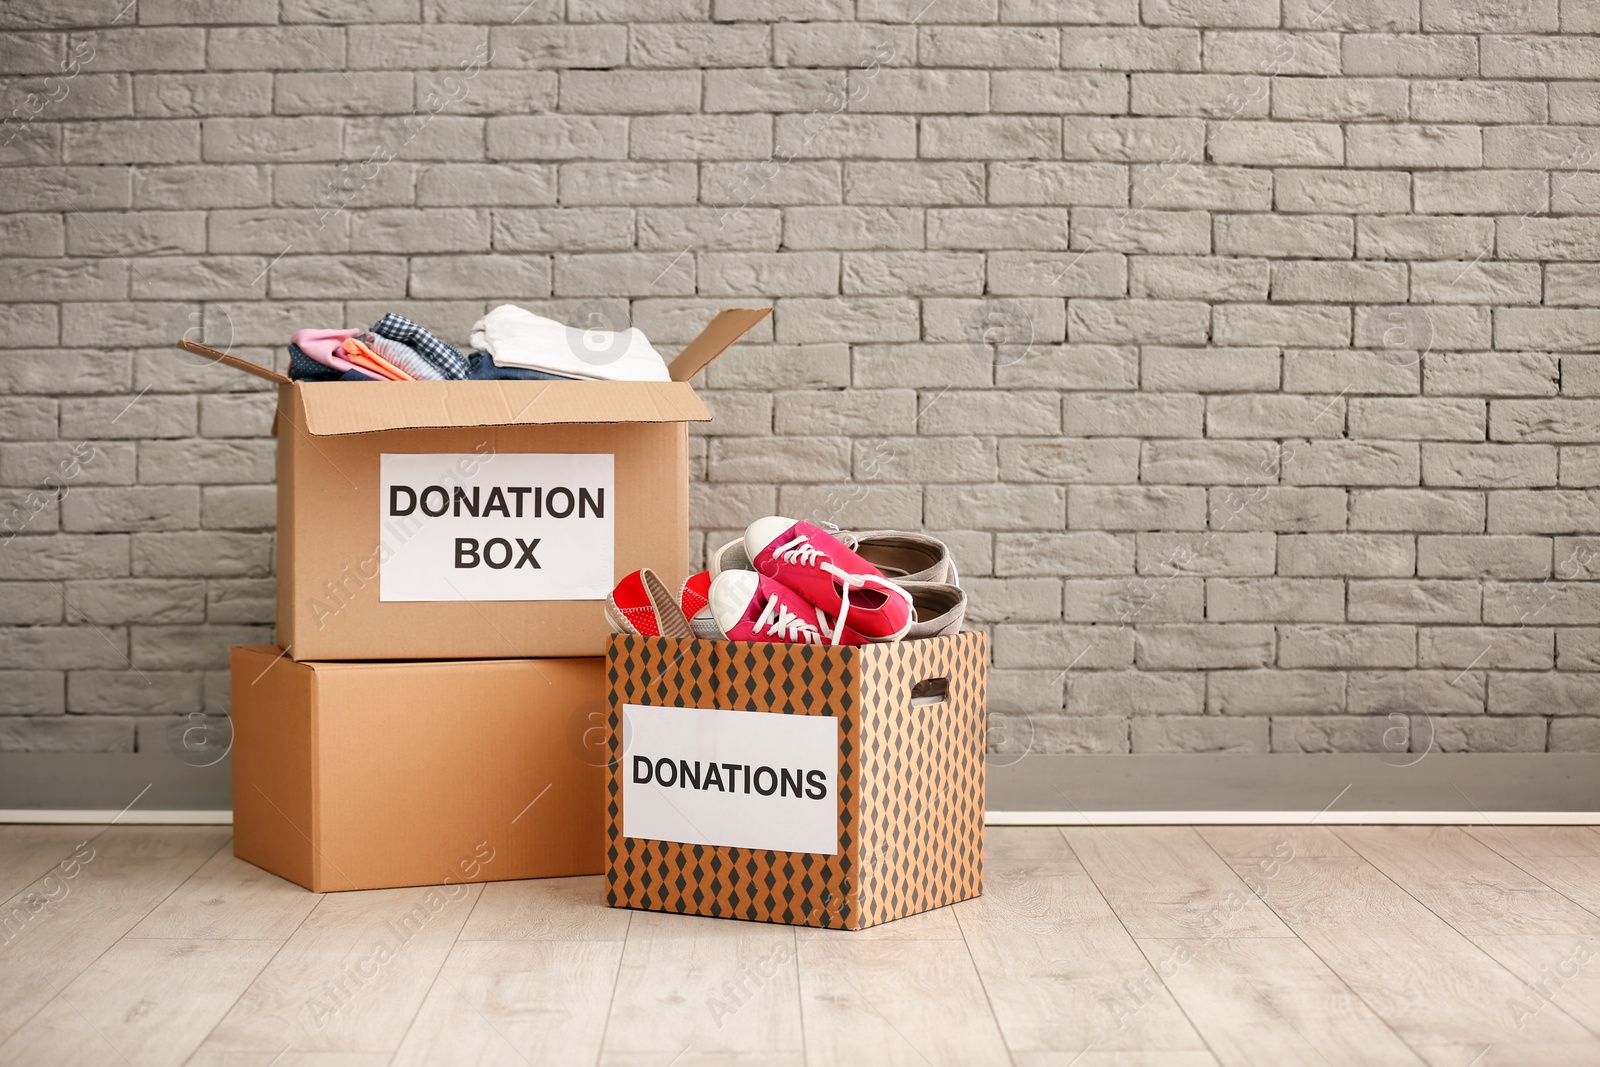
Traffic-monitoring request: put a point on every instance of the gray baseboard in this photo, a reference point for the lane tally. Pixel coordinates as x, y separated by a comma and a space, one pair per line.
151, 786
1486, 787
1293, 788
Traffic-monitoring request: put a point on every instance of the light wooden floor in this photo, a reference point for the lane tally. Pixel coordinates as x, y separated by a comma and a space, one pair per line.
1160, 946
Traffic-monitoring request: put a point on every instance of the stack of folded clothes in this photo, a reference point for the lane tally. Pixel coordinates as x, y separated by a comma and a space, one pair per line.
512, 343
515, 338
798, 583
395, 349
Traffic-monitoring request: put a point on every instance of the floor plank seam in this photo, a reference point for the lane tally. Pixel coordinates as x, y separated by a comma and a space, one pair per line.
1129, 935
255, 978
616, 978
800, 998
444, 961
40, 876
988, 998
1331, 969
1535, 876
1493, 963
115, 941
1513, 860
1171, 992
1370, 944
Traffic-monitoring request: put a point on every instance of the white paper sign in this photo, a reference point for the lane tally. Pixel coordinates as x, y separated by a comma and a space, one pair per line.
737, 778
496, 526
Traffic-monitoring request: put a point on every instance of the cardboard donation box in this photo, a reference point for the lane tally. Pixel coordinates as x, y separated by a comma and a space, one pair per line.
375, 775
478, 519
804, 784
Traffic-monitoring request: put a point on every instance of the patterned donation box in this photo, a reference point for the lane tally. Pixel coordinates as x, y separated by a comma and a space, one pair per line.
802, 784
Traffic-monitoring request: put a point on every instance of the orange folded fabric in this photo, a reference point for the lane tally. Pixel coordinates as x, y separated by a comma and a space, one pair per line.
364, 357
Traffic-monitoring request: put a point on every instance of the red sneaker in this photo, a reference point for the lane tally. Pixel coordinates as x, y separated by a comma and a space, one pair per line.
641, 604
752, 607
695, 599
831, 576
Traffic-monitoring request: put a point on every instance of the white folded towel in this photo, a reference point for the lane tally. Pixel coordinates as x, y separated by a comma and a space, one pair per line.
516, 337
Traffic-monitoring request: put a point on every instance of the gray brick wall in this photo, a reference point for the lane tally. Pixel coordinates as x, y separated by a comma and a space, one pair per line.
1242, 349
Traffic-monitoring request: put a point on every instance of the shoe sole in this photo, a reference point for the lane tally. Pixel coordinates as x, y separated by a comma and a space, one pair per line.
670, 621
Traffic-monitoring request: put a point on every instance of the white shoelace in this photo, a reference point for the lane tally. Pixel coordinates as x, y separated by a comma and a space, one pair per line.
782, 623
801, 552
849, 540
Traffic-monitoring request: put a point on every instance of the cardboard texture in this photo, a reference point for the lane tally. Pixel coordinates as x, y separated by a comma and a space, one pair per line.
334, 533
254, 369
331, 545
377, 775
910, 785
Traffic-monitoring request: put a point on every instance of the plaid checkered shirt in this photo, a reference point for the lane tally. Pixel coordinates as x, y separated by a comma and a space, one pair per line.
451, 363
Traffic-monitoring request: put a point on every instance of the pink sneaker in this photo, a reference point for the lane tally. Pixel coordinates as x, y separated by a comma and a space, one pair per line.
752, 607
833, 577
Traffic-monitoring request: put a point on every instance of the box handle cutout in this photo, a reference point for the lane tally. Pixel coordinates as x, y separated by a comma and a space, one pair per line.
930, 691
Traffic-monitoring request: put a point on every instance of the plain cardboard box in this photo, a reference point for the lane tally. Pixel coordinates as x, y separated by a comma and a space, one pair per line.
367, 574
375, 775
872, 804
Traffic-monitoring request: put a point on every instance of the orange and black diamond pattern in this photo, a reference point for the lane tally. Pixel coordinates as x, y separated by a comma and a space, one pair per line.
922, 777
917, 769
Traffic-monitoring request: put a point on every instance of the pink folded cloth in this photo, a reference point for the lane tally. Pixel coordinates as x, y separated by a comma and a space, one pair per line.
325, 346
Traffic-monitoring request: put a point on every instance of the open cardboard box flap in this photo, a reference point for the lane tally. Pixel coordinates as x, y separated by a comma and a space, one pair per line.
334, 408
331, 408
720, 333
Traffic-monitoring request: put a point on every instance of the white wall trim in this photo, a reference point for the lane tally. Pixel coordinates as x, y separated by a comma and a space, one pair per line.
1292, 818
127, 818
995, 818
